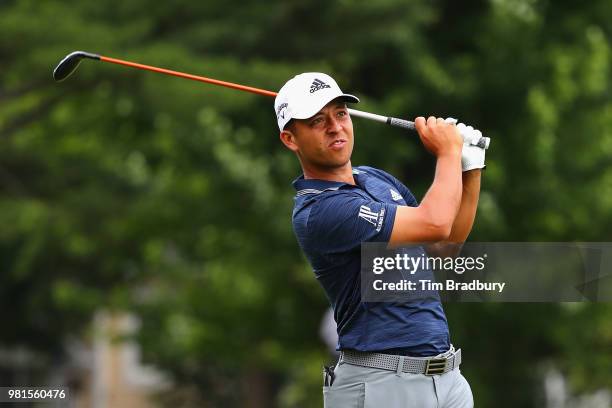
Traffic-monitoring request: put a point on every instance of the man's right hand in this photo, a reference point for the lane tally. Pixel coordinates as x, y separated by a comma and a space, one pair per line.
438, 136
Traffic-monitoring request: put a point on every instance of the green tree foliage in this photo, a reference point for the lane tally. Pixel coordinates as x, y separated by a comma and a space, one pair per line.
134, 191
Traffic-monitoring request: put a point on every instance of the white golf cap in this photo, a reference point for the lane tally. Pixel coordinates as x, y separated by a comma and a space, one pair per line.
306, 94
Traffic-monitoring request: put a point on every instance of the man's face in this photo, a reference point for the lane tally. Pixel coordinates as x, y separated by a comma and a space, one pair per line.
325, 140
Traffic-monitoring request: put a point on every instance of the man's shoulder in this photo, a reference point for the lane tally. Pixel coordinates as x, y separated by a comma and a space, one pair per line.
314, 215
372, 171
326, 204
314, 199
368, 169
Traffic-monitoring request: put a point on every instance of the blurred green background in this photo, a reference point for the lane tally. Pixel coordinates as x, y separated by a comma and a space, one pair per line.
170, 200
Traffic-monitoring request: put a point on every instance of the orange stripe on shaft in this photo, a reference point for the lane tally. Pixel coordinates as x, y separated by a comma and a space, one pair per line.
189, 76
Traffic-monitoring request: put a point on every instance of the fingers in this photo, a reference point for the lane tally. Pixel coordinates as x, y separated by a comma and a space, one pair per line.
434, 120
451, 121
420, 125
467, 134
470, 135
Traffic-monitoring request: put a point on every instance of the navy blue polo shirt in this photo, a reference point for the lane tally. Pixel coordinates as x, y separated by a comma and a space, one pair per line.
330, 220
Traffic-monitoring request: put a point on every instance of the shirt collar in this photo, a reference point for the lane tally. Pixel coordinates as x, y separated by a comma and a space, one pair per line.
316, 186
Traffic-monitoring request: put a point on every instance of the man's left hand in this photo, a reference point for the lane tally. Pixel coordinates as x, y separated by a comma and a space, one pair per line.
472, 156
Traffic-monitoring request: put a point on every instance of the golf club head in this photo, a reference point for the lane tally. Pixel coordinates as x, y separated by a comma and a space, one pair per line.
70, 63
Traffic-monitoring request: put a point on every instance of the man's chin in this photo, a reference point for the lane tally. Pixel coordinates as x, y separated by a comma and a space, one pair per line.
337, 164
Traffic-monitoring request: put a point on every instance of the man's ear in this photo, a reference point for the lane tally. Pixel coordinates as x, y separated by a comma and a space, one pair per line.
288, 139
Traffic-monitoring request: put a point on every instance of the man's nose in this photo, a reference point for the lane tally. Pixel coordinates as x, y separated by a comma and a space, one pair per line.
333, 125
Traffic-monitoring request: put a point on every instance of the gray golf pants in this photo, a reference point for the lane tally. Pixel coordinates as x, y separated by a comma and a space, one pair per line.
364, 387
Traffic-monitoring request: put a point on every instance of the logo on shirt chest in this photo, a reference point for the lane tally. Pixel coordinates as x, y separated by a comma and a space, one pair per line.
374, 218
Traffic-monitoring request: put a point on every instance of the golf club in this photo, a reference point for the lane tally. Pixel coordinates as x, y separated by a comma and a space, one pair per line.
70, 63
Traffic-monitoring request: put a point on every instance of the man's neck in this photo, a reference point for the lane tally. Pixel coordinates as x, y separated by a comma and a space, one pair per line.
342, 174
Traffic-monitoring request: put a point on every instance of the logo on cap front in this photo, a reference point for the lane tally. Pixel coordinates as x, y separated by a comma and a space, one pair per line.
317, 84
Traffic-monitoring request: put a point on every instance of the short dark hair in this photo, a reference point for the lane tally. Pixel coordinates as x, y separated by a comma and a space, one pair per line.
290, 125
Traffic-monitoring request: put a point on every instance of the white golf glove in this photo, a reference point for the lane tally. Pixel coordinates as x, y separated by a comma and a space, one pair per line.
472, 155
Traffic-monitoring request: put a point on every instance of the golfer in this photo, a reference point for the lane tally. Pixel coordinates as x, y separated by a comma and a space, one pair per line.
392, 355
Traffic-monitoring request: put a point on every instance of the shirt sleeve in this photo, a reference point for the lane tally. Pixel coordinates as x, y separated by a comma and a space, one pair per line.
404, 191
342, 221
406, 194
411, 201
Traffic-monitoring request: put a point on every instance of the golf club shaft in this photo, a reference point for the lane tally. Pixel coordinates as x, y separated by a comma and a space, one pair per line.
366, 115
72, 60
189, 76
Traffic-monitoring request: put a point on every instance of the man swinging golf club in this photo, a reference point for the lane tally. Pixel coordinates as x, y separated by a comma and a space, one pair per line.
392, 354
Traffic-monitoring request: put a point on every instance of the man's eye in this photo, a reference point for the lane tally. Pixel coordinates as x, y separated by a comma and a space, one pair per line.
342, 113
316, 121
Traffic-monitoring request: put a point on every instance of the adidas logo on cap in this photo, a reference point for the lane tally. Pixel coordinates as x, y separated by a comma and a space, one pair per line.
317, 84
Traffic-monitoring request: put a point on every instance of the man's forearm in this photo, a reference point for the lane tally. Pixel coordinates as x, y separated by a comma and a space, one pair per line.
467, 210
463, 221
443, 199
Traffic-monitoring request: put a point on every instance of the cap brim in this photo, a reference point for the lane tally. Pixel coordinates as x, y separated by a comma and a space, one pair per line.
350, 98
314, 109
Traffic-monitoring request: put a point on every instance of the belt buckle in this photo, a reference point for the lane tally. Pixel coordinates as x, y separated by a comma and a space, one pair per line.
436, 366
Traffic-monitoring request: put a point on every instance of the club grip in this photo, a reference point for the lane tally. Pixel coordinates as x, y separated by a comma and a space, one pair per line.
406, 124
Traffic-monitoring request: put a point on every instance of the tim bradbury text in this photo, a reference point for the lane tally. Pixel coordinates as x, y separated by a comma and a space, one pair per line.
428, 284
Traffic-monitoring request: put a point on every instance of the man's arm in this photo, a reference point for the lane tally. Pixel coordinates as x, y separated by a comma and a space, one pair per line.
472, 163
467, 210
433, 219
465, 218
